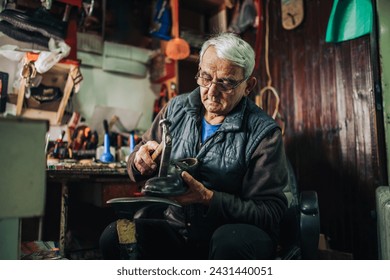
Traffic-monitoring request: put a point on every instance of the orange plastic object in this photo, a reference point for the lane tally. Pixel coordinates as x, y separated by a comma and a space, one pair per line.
177, 49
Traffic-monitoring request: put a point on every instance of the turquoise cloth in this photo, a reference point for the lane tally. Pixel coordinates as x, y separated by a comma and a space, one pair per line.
349, 19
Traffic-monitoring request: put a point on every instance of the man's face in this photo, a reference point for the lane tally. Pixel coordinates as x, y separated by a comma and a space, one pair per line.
215, 101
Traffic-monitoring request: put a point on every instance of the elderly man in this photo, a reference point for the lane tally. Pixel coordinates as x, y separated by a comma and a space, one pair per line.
234, 202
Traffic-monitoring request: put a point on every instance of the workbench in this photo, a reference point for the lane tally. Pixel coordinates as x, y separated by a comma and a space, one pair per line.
94, 184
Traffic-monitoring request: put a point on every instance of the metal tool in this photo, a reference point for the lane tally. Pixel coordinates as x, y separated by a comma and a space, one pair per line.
169, 182
166, 148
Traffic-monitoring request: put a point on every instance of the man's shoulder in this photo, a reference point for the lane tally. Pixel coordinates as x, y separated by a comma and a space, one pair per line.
179, 101
188, 99
181, 97
257, 114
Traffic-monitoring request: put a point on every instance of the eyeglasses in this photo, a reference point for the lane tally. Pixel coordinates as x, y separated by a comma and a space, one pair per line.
225, 86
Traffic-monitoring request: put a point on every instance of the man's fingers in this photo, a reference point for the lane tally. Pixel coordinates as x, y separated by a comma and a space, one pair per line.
157, 151
202, 194
140, 165
152, 145
143, 161
191, 181
143, 157
187, 177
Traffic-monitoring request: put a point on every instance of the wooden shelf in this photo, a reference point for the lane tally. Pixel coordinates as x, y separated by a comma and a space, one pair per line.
55, 118
208, 7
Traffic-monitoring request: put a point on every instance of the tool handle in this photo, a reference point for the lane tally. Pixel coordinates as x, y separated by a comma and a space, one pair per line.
62, 135
157, 151
105, 124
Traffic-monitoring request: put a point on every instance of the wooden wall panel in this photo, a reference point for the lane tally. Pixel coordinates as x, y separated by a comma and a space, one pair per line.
331, 133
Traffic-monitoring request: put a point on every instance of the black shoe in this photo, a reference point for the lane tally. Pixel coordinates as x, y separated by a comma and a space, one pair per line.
45, 94
172, 184
129, 251
23, 35
38, 21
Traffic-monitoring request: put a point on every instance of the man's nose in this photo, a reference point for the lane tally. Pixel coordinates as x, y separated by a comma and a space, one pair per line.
213, 90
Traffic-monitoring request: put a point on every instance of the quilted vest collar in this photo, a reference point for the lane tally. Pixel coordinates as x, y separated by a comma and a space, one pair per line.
232, 122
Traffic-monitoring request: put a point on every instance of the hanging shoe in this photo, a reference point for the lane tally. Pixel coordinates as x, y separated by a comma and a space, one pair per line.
23, 35
161, 26
40, 20
44, 94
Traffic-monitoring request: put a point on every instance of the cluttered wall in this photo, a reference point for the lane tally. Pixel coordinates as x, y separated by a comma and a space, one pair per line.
331, 109
115, 90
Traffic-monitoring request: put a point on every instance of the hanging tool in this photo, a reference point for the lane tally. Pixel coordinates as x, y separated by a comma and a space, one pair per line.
161, 25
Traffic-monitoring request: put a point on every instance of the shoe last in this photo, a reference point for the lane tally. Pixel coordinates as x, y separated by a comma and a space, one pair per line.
172, 184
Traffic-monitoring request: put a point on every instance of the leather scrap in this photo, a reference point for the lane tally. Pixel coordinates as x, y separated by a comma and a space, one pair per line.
126, 231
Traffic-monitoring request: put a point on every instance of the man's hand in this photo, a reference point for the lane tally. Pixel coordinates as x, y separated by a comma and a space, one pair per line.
143, 160
197, 192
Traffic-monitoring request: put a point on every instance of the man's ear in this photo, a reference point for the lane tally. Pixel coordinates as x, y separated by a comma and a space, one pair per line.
250, 85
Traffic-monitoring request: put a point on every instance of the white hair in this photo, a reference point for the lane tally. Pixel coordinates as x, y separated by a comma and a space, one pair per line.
231, 47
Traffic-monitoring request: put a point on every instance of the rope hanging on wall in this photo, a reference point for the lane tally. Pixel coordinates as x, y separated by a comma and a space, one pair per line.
269, 88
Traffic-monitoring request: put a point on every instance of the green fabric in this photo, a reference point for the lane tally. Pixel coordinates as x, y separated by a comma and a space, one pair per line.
349, 19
